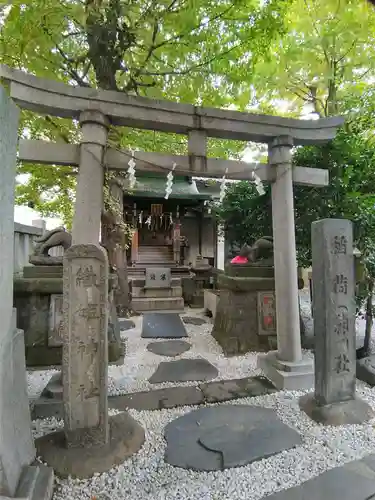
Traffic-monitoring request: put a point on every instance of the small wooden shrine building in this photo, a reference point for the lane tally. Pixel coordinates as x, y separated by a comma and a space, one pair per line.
178, 231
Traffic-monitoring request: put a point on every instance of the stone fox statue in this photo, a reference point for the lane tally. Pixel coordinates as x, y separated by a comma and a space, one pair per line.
54, 238
262, 249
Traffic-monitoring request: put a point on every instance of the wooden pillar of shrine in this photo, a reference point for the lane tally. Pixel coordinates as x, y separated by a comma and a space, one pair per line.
134, 247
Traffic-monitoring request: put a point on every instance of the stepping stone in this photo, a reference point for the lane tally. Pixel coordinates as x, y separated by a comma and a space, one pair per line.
183, 370
126, 324
162, 325
222, 437
169, 347
366, 369
353, 481
190, 320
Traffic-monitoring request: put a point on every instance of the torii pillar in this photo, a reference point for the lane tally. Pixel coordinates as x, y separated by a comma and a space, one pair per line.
286, 367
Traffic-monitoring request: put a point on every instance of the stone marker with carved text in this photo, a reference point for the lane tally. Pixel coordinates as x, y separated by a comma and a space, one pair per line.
334, 400
85, 350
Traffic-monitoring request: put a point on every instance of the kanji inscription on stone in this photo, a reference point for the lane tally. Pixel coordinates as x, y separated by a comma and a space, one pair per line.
158, 277
55, 327
85, 349
333, 310
266, 313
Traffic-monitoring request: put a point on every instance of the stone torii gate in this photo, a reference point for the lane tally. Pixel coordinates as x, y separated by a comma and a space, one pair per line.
97, 110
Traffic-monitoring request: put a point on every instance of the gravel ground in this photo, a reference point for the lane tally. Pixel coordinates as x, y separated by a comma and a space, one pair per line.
146, 475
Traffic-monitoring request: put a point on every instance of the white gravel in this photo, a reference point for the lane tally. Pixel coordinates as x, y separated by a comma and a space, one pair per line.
146, 476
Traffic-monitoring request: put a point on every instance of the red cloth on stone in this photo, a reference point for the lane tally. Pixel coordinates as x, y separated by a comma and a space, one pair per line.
239, 260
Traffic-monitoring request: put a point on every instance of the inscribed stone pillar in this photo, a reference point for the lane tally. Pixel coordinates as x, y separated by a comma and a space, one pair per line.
85, 349
16, 443
334, 401
89, 195
285, 367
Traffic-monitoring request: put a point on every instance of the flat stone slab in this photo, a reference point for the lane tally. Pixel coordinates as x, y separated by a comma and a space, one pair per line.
218, 438
225, 390
353, 481
162, 325
54, 388
191, 320
169, 347
366, 369
126, 324
170, 397
184, 370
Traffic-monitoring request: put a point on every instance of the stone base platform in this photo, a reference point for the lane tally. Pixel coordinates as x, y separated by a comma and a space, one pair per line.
126, 438
354, 411
36, 483
286, 375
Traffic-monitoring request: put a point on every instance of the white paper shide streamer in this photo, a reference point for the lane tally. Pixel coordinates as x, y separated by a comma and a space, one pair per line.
258, 183
131, 171
223, 186
169, 184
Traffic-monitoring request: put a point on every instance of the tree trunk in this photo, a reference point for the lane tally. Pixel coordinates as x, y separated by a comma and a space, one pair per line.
369, 319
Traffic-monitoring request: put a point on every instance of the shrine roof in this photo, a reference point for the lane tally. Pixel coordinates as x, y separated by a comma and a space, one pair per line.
149, 186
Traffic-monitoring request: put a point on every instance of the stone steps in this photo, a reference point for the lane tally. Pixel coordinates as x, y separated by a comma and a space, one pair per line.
140, 304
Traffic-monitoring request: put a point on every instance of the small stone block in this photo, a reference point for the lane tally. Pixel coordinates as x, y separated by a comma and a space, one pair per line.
353, 411
226, 436
126, 438
169, 348
47, 408
366, 370
190, 320
297, 376
184, 370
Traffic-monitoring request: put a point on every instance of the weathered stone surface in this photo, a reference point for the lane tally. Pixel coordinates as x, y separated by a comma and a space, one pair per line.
225, 390
36, 483
85, 349
169, 348
353, 481
55, 327
126, 324
333, 310
352, 411
162, 325
43, 271
169, 397
16, 443
334, 401
126, 437
221, 437
46, 408
191, 320
184, 370
366, 370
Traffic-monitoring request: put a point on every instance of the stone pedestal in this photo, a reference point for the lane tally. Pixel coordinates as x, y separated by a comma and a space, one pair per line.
334, 401
245, 318
38, 298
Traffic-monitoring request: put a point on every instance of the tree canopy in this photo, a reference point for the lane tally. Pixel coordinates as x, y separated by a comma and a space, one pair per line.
183, 50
